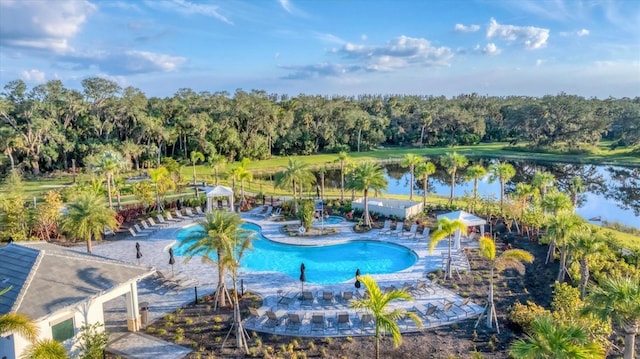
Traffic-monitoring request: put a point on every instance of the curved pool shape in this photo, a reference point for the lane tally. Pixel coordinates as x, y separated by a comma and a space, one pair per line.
324, 264
331, 220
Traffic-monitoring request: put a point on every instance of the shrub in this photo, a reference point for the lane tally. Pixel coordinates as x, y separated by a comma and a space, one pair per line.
521, 315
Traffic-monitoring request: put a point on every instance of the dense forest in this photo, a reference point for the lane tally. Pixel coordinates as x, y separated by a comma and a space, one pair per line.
49, 126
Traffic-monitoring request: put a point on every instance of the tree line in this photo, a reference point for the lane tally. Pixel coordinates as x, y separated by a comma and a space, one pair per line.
51, 127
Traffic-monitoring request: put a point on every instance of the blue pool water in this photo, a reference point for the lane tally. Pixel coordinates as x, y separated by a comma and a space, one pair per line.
324, 264
331, 220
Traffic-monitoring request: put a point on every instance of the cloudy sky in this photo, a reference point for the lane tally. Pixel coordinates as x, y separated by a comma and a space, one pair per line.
328, 47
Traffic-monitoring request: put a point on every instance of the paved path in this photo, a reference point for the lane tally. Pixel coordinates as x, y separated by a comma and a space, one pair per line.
270, 285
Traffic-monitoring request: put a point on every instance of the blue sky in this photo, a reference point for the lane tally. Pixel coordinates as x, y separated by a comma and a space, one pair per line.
328, 47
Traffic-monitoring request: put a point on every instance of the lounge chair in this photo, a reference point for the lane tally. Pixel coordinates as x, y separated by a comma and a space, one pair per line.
411, 233
285, 300
317, 322
138, 234
272, 319
148, 227
327, 298
386, 229
427, 313
421, 288
180, 215
198, 210
254, 316
464, 305
267, 213
161, 220
343, 321
170, 217
157, 225
346, 296
307, 298
176, 282
424, 235
446, 311
140, 230
398, 230
188, 212
293, 322
366, 320
276, 213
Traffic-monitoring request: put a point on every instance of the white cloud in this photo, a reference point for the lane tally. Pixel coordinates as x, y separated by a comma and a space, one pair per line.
139, 60
291, 9
491, 49
401, 52
463, 28
34, 75
330, 38
531, 37
42, 25
188, 8
582, 32
364, 37
124, 63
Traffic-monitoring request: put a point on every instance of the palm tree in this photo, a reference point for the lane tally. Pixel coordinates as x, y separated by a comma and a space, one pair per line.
46, 349
618, 299
559, 232
556, 202
509, 259
239, 242
446, 228
453, 161
217, 162
110, 163
549, 340
425, 170
87, 218
586, 244
343, 158
195, 157
502, 172
367, 176
543, 181
213, 243
159, 177
385, 318
19, 323
475, 172
411, 161
296, 174
576, 187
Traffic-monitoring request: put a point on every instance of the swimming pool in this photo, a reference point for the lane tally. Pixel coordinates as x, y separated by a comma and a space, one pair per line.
331, 220
324, 264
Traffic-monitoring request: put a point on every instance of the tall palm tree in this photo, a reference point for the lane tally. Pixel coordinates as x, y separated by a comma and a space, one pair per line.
509, 259
502, 172
543, 181
87, 218
453, 161
367, 176
239, 243
296, 174
425, 170
475, 172
46, 349
446, 229
343, 158
195, 157
550, 340
559, 232
618, 299
217, 162
576, 187
109, 164
19, 323
242, 174
220, 229
378, 303
160, 179
411, 161
586, 244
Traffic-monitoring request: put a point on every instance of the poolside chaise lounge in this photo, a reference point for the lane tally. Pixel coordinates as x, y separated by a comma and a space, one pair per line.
170, 217
176, 282
427, 313
307, 298
293, 322
411, 233
398, 229
317, 322
424, 235
189, 213
180, 215
158, 225
161, 220
254, 316
327, 298
198, 210
386, 229
366, 320
138, 234
273, 320
266, 213
148, 227
343, 322
346, 296
140, 230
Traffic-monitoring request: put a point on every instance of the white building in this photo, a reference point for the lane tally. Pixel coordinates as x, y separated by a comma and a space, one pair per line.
61, 290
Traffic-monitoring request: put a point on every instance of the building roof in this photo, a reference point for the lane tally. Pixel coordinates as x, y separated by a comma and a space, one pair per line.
466, 217
45, 278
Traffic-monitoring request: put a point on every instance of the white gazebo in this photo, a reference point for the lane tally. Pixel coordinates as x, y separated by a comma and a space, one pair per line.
468, 219
218, 191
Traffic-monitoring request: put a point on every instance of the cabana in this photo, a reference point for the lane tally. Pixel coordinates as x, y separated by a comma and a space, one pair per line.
390, 207
468, 219
216, 192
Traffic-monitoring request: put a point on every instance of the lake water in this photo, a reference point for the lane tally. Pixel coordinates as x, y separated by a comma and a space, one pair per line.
613, 192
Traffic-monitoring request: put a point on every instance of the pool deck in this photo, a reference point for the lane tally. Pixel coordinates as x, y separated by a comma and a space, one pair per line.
273, 285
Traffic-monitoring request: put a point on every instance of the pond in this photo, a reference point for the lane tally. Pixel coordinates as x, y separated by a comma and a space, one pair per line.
612, 192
